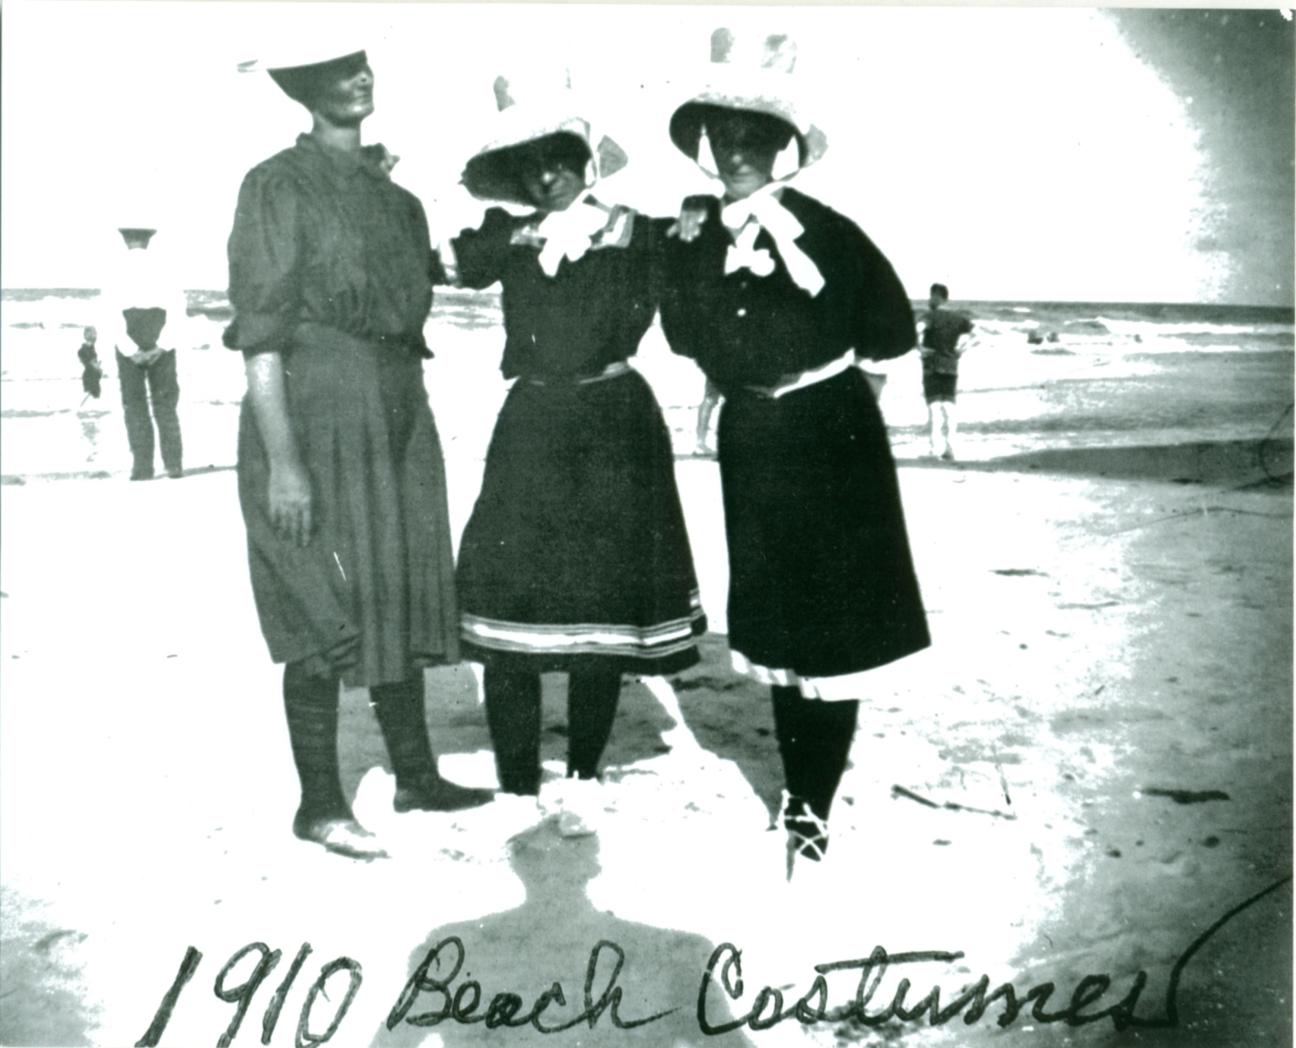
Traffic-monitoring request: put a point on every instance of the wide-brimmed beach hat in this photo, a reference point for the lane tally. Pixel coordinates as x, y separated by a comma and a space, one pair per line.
311, 47
292, 61
532, 107
754, 73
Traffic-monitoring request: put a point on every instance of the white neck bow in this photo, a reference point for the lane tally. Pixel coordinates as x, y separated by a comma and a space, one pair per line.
745, 219
569, 233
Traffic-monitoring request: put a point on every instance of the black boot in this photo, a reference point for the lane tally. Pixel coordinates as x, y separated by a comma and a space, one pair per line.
323, 817
419, 786
592, 695
512, 701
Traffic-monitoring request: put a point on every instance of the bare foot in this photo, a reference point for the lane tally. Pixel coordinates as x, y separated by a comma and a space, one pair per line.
340, 835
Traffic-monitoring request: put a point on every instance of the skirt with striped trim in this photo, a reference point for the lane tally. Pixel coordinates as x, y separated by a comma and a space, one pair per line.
576, 548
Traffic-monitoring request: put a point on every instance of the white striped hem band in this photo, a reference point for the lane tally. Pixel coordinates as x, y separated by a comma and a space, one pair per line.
843, 688
667, 638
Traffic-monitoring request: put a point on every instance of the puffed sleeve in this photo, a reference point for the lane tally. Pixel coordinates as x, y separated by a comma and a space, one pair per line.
264, 263
480, 253
884, 321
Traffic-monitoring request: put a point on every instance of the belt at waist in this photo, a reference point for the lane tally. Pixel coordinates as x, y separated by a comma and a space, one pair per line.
613, 370
801, 379
309, 334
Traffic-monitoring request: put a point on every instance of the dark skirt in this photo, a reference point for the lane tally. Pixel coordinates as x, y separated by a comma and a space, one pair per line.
822, 583
576, 548
371, 597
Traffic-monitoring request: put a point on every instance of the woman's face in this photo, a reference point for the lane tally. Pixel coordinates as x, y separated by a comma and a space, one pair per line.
745, 146
552, 171
344, 95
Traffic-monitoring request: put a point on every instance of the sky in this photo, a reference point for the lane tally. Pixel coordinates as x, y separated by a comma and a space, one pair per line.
1042, 153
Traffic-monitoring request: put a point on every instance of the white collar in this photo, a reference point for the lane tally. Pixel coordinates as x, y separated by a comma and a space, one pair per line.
570, 233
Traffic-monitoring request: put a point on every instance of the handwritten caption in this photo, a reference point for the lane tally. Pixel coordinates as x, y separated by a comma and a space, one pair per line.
723, 1003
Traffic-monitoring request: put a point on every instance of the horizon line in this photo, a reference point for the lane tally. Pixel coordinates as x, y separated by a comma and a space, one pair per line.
1289, 306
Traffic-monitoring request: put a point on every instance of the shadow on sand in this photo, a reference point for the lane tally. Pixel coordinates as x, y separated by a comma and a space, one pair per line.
1251, 464
621, 982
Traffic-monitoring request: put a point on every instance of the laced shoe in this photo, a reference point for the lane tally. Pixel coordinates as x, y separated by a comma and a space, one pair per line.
807, 835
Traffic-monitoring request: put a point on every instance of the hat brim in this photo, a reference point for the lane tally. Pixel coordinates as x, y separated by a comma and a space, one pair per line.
303, 56
492, 172
761, 92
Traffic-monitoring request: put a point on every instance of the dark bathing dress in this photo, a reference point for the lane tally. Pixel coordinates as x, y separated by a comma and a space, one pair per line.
576, 548
822, 582
330, 264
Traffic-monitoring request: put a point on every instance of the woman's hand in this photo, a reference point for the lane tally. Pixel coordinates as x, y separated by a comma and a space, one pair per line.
692, 216
289, 489
290, 502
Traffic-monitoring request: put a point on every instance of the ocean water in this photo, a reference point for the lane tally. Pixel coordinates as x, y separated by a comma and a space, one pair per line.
1040, 376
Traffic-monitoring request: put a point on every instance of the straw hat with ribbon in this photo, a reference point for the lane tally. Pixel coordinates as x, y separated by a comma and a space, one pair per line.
532, 107
752, 73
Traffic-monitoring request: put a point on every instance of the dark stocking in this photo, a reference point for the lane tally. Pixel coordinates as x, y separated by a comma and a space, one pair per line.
312, 707
513, 715
592, 694
419, 786
399, 708
814, 740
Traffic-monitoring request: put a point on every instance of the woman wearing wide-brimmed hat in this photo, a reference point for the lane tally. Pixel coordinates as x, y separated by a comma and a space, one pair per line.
341, 476
576, 557
776, 301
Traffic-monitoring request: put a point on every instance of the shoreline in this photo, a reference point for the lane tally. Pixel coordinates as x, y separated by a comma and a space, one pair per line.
1263, 463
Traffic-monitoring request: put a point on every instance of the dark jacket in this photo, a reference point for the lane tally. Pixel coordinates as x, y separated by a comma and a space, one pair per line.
745, 330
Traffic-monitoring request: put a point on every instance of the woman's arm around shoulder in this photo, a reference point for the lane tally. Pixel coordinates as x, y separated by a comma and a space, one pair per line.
480, 253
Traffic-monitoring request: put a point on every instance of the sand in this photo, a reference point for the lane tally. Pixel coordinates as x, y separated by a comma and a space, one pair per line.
1089, 767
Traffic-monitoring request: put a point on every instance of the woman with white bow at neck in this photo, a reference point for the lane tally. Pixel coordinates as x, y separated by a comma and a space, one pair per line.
576, 557
776, 300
